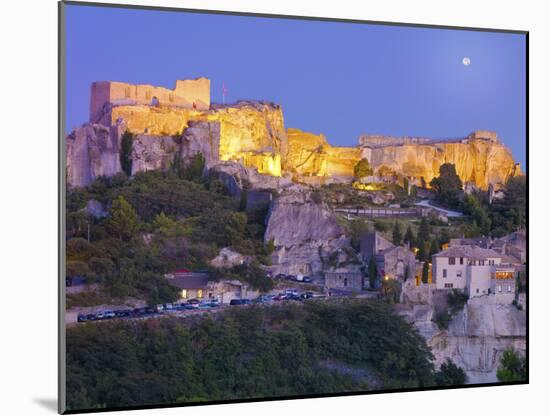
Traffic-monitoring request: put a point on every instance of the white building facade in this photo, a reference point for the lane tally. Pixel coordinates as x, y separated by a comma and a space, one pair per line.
475, 271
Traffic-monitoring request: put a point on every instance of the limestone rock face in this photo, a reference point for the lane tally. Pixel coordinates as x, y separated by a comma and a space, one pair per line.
478, 335
304, 234
311, 155
92, 151
227, 258
153, 153
251, 132
159, 152
477, 160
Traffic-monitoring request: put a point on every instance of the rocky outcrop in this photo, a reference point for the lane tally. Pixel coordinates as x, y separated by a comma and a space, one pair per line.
311, 155
227, 258
478, 160
160, 152
476, 337
250, 132
92, 151
304, 234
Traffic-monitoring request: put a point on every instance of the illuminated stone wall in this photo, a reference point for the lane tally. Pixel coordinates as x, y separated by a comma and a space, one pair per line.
189, 93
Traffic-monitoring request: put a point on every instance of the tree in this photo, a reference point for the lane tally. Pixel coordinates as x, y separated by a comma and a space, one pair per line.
480, 214
126, 144
448, 186
450, 374
434, 248
425, 272
406, 186
362, 169
372, 272
123, 222
397, 235
513, 367
424, 231
194, 168
409, 236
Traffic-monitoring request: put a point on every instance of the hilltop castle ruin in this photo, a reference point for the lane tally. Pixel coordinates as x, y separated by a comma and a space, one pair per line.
181, 122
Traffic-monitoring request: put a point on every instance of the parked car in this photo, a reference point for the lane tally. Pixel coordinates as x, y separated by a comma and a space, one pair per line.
262, 299
123, 313
290, 277
279, 297
294, 297
82, 318
280, 276
307, 279
193, 301
307, 295
291, 291
105, 315
212, 302
239, 301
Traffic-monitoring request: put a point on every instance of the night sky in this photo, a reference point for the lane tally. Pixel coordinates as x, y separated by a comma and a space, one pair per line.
339, 79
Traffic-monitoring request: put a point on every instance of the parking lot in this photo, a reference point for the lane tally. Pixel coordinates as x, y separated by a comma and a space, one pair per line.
195, 306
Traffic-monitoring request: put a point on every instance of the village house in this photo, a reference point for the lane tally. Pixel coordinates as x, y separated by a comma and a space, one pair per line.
476, 271
344, 279
197, 285
391, 261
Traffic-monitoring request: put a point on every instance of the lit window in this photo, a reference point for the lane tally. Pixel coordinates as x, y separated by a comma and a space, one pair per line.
499, 288
199, 293
183, 293
509, 288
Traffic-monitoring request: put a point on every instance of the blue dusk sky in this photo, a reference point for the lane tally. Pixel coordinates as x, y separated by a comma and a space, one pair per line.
339, 79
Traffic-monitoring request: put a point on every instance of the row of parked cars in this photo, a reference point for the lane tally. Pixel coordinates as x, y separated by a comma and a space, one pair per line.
290, 294
147, 311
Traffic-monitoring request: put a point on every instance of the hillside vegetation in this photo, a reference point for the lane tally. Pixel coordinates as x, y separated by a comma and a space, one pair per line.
154, 223
250, 352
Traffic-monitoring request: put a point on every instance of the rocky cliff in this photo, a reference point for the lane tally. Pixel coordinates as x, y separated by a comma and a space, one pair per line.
476, 337
304, 234
311, 155
92, 151
477, 160
252, 133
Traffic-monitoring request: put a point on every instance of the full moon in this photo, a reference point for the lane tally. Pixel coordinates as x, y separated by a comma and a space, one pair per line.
466, 61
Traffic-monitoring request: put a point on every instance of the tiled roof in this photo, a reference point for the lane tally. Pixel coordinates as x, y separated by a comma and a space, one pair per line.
191, 282
468, 251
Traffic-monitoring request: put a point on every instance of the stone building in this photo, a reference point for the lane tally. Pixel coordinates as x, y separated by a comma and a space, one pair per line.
188, 93
198, 285
391, 261
344, 279
476, 271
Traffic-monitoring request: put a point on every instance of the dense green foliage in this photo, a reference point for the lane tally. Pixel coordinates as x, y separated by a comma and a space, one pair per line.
126, 144
447, 186
245, 353
158, 222
450, 374
502, 216
513, 367
362, 169
397, 234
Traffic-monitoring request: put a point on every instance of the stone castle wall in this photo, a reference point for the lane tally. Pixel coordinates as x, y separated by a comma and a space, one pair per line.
189, 93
